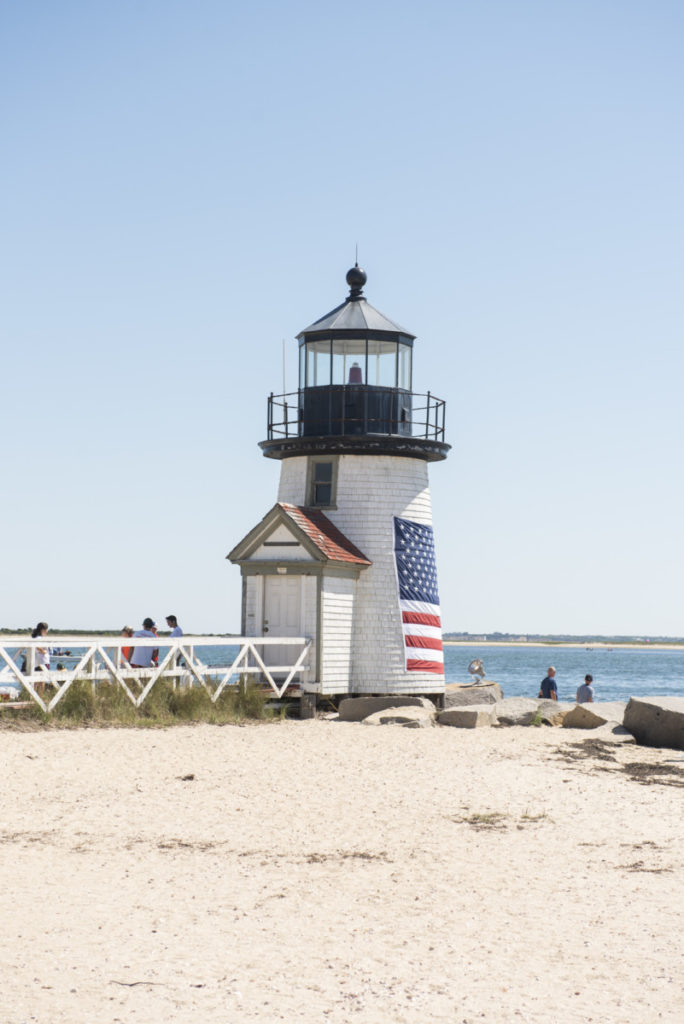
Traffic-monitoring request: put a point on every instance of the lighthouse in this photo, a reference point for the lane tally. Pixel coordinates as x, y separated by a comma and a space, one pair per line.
346, 556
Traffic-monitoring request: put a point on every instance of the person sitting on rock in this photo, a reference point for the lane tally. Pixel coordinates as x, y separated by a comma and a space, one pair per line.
547, 688
585, 693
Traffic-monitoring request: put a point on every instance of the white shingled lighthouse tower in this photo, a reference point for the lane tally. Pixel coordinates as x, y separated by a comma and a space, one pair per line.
346, 556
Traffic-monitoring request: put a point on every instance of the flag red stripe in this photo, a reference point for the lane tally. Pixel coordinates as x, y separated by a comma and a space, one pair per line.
424, 641
421, 620
425, 666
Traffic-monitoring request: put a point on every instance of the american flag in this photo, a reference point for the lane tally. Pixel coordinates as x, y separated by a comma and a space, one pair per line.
414, 556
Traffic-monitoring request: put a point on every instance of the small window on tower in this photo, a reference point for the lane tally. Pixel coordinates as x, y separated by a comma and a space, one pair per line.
322, 483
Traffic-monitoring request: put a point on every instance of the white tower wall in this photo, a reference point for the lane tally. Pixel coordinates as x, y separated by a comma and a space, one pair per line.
371, 490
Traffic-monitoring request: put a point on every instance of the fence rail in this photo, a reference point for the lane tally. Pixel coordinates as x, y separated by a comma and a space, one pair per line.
101, 660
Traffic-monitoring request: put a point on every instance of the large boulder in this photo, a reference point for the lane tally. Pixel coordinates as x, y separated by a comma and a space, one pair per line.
591, 716
525, 710
409, 717
458, 695
473, 716
355, 709
656, 721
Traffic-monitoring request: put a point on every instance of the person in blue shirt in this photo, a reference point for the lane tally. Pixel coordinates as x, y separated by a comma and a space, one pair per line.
585, 693
548, 689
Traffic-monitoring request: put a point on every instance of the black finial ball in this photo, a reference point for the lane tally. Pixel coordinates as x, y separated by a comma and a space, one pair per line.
356, 278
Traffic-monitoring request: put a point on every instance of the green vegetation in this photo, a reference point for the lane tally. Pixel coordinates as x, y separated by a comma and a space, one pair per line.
483, 821
109, 705
495, 821
528, 816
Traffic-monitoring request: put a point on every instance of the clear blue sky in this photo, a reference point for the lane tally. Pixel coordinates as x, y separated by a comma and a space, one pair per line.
183, 186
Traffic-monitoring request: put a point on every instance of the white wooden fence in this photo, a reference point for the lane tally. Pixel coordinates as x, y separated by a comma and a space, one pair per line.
100, 659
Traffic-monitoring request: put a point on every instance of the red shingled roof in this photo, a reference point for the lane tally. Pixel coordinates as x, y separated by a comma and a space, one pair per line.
324, 534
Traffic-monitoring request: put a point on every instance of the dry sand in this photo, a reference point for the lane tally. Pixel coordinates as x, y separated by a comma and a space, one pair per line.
318, 872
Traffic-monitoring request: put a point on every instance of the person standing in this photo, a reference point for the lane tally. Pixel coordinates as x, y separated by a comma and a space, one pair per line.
547, 688
172, 623
585, 693
42, 655
42, 662
142, 657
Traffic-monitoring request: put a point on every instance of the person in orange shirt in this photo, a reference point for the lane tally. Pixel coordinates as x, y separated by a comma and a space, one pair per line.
127, 651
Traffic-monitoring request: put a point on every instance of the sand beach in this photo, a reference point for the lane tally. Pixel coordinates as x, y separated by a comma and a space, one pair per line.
319, 871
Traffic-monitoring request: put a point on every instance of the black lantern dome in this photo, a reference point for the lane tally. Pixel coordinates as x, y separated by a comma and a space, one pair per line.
355, 389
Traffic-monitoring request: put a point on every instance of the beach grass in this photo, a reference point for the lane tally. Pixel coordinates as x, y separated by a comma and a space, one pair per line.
109, 705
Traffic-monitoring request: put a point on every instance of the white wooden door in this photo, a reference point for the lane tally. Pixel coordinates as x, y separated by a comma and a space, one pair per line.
282, 616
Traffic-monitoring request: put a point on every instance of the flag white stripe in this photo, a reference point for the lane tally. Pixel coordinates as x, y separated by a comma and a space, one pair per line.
422, 607
414, 629
423, 654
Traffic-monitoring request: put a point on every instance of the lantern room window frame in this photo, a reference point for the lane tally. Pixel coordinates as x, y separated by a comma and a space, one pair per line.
326, 360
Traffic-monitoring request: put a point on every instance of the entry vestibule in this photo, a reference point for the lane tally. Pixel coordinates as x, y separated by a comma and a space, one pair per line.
299, 576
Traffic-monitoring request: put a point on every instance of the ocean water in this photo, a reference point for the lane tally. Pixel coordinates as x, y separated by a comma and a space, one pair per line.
619, 673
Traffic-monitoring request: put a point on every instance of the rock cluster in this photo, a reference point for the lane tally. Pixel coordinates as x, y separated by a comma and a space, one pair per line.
652, 721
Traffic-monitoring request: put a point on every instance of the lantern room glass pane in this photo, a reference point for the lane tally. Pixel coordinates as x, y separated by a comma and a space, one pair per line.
317, 363
404, 376
382, 364
349, 361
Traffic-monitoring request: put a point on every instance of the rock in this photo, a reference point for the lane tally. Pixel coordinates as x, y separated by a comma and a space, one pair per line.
409, 717
355, 709
463, 695
613, 732
522, 710
473, 716
591, 716
516, 710
553, 712
656, 721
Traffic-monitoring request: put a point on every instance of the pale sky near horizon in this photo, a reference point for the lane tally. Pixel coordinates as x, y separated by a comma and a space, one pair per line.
183, 186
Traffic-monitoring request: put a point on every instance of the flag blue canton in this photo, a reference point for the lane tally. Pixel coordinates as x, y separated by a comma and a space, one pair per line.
414, 549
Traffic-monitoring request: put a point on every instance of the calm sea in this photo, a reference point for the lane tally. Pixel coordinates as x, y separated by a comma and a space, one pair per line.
618, 673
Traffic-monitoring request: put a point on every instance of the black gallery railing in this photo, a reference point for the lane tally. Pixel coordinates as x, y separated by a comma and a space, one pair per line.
349, 409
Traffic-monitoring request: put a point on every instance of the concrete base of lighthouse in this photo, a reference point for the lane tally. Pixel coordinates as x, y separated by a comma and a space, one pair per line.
367, 636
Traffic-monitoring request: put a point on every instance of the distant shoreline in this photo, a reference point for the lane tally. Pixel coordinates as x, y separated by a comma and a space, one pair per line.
594, 645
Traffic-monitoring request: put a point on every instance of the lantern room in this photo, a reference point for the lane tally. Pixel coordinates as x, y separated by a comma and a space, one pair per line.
355, 390
355, 370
